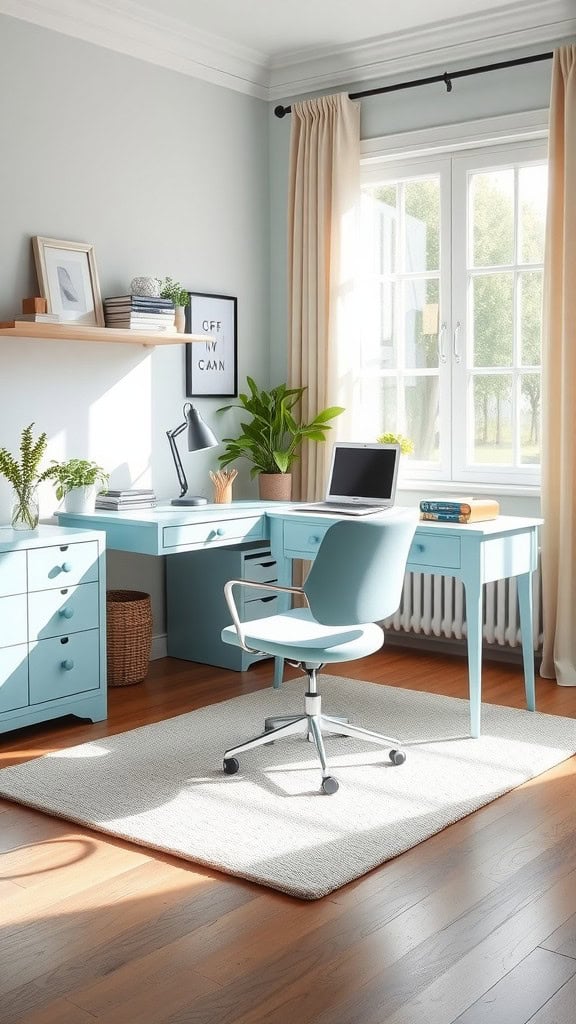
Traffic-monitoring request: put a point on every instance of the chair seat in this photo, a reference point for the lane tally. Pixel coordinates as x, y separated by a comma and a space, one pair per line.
304, 639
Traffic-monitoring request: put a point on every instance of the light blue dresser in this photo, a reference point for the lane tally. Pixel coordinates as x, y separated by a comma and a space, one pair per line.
52, 625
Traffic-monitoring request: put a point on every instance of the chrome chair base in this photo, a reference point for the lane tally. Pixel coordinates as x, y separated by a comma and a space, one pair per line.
314, 724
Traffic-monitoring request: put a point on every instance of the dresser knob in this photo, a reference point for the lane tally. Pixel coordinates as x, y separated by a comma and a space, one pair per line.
66, 613
66, 566
420, 547
313, 540
68, 664
220, 532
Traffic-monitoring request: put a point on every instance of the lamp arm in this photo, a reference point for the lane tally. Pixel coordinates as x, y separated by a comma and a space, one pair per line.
172, 435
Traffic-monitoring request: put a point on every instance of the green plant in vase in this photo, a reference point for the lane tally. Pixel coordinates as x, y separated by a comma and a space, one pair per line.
24, 477
74, 474
174, 291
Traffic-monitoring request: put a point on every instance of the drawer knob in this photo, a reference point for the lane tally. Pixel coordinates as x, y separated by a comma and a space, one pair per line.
68, 664
220, 532
420, 547
66, 566
313, 539
66, 613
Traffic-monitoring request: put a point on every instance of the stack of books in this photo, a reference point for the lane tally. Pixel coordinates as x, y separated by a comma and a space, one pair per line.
128, 499
460, 510
139, 313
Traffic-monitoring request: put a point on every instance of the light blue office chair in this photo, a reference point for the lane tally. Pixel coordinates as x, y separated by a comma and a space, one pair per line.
355, 581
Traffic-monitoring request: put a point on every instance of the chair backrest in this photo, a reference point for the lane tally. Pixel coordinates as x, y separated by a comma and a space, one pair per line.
358, 573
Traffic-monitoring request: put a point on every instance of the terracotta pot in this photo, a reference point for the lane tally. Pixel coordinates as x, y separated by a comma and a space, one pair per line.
275, 486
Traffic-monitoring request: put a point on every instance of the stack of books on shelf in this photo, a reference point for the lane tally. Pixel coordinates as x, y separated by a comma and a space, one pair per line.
128, 499
139, 313
460, 510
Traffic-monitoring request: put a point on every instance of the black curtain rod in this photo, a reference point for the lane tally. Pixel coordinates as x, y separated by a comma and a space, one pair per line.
447, 78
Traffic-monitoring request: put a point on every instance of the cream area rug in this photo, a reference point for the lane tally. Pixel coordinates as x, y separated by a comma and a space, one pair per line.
162, 785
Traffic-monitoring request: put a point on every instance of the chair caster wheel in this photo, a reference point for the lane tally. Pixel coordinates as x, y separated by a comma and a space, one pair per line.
231, 765
329, 785
397, 756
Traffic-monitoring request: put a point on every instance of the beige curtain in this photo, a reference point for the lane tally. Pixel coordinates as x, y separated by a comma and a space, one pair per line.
323, 205
559, 382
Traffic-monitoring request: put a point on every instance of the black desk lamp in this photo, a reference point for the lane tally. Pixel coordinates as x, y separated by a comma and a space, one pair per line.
199, 437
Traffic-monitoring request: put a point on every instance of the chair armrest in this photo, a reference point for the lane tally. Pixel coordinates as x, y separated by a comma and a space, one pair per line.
234, 611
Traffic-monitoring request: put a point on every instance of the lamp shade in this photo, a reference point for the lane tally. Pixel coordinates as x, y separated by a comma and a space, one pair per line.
199, 434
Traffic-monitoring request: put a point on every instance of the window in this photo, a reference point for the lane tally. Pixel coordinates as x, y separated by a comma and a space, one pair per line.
451, 311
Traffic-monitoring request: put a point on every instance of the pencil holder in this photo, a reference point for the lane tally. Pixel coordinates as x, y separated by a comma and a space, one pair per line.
223, 493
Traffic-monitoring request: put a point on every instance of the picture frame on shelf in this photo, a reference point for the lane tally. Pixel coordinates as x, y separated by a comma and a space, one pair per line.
212, 368
68, 279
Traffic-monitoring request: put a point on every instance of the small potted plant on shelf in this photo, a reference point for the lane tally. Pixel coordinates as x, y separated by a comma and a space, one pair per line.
174, 291
77, 481
273, 436
24, 477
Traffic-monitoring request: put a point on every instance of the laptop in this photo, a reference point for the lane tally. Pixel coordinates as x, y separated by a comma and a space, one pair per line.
362, 479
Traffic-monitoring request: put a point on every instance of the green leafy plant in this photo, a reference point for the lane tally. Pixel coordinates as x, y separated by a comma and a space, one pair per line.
406, 445
24, 476
75, 473
174, 291
272, 437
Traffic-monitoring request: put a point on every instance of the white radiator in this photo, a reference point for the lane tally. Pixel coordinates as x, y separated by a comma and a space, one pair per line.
435, 606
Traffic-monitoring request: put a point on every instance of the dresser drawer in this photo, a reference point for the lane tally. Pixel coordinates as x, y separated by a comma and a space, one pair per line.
63, 566
12, 572
303, 538
59, 612
440, 551
13, 620
64, 666
225, 531
13, 677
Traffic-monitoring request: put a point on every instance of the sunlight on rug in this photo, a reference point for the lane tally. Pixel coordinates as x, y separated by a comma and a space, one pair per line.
162, 785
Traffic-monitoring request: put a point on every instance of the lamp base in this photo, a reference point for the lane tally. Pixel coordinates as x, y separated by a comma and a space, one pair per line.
196, 500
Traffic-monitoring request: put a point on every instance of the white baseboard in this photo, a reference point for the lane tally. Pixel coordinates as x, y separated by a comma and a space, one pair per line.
159, 647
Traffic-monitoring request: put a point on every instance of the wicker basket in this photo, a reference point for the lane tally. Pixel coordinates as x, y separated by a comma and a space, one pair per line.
128, 636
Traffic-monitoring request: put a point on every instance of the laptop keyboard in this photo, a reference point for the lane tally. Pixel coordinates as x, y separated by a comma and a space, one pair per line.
357, 509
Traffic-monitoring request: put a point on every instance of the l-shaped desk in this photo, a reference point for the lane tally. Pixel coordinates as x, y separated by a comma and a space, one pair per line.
475, 553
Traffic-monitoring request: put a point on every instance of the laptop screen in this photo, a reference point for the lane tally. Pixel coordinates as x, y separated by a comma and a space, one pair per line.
364, 473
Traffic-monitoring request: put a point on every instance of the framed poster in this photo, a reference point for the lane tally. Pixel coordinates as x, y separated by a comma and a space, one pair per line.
211, 367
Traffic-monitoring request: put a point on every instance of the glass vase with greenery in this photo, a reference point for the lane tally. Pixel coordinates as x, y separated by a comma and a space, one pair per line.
271, 437
24, 477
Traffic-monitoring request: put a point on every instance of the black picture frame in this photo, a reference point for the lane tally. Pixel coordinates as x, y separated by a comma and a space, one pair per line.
212, 369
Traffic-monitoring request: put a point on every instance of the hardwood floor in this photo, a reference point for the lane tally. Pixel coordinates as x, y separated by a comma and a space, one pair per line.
476, 925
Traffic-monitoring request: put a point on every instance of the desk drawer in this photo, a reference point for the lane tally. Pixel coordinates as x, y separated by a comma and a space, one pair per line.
303, 539
261, 608
441, 551
263, 569
63, 566
220, 531
12, 572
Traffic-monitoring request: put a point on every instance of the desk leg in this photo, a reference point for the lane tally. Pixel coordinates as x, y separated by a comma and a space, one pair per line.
284, 574
474, 627
524, 583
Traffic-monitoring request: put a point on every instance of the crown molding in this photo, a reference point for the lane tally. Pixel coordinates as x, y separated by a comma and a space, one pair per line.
518, 25
127, 27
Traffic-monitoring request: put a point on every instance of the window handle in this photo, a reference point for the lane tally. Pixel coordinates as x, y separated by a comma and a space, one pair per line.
456, 339
441, 337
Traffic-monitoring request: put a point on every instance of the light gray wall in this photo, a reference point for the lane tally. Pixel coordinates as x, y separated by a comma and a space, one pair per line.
166, 175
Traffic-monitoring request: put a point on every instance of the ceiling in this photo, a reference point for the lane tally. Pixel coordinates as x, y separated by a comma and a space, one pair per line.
274, 48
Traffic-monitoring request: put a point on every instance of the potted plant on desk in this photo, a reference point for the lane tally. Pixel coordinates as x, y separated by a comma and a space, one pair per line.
77, 481
272, 437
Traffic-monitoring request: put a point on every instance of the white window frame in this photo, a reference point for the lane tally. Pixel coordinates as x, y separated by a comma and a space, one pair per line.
414, 154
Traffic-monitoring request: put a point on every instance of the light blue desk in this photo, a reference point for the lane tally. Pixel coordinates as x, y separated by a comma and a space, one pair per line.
476, 554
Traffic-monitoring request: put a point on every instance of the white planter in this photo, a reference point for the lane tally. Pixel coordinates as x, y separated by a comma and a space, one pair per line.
80, 499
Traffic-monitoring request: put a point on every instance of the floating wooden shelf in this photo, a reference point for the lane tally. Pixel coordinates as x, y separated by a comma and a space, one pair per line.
80, 332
